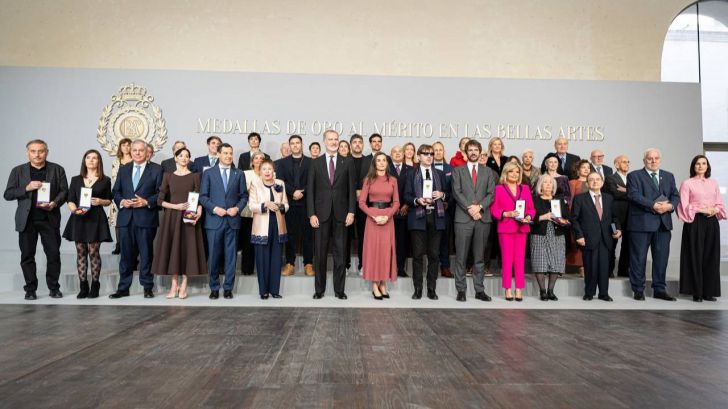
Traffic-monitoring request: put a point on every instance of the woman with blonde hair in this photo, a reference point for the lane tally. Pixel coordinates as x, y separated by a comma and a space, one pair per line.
410, 154
247, 254
496, 158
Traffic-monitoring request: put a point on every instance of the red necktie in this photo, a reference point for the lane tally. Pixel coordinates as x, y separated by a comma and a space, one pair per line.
473, 175
598, 204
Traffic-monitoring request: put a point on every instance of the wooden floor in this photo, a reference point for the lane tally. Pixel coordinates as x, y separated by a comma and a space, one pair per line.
166, 357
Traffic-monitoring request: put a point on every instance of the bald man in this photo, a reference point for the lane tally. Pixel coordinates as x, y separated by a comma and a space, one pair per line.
616, 185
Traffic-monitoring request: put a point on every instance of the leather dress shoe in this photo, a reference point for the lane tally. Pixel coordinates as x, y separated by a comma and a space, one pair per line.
276, 296
697, 298
214, 294
227, 294
710, 299
402, 274
318, 296
482, 296
264, 297
56, 294
664, 296
119, 294
148, 294
417, 294
461, 296
341, 296
445, 272
605, 297
30, 295
639, 296
431, 294
587, 297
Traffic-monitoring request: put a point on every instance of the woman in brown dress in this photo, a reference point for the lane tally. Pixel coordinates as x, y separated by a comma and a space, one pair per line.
180, 249
379, 200
580, 171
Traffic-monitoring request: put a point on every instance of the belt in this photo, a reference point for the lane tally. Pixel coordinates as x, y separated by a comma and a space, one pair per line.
380, 205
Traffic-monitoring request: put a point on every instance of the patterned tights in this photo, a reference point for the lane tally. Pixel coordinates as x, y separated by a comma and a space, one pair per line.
88, 252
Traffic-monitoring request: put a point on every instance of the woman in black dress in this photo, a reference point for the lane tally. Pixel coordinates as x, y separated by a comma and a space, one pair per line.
89, 226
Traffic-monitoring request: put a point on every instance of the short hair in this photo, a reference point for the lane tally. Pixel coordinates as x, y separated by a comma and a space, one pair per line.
122, 141
374, 135
528, 151
175, 143
225, 145
595, 173
561, 138
39, 141
138, 141
507, 168
539, 184
438, 143
327, 132
212, 138
180, 150
492, 141
292, 137
84, 169
269, 162
575, 168
694, 161
475, 143
254, 135
424, 147
314, 144
648, 150
356, 136
150, 146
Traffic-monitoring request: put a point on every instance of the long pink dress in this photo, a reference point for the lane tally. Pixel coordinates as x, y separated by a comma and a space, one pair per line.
379, 261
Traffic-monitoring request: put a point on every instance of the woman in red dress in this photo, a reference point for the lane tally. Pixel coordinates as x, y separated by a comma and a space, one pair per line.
379, 200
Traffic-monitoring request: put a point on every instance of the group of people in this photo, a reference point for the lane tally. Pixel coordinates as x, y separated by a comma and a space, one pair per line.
570, 212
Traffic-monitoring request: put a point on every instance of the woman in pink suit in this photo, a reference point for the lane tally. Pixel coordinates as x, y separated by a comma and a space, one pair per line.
379, 200
513, 226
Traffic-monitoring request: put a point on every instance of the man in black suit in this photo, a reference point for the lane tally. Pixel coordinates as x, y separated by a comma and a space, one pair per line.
35, 218
209, 160
254, 143
293, 170
617, 187
399, 169
135, 194
653, 197
356, 143
595, 228
169, 165
331, 202
566, 159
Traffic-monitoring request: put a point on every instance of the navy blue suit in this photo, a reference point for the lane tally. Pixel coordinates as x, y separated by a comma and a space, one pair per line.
449, 214
201, 162
222, 232
649, 229
137, 226
401, 235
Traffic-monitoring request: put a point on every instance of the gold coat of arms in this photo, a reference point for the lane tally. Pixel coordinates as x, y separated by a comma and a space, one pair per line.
131, 114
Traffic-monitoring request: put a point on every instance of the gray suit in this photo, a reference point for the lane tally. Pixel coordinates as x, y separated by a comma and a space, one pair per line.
469, 233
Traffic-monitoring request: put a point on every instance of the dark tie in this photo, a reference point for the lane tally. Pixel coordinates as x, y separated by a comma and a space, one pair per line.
598, 204
398, 169
473, 176
427, 174
654, 180
332, 170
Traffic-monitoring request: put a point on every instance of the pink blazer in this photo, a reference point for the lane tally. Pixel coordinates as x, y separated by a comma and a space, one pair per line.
505, 202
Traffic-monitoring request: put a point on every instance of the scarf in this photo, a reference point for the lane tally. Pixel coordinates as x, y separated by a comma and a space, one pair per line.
419, 210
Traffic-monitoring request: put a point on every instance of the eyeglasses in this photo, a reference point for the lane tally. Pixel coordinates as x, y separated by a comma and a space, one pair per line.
427, 153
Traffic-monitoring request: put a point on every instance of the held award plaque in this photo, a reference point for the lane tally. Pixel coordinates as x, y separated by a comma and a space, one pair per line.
44, 194
190, 214
85, 200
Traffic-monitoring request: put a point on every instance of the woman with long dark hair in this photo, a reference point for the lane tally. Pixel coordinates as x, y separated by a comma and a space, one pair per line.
701, 207
88, 225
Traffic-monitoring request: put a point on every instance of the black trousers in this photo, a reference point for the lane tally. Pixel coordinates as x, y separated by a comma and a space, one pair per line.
50, 237
361, 221
330, 229
247, 253
402, 242
426, 242
596, 269
623, 265
299, 229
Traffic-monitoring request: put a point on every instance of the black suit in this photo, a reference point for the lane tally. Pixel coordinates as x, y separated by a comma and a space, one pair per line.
621, 209
330, 203
571, 159
401, 233
598, 236
295, 176
32, 222
244, 160
169, 165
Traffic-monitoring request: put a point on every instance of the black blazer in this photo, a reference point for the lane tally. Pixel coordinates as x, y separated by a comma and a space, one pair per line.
244, 160
323, 198
492, 164
15, 190
401, 180
571, 159
586, 223
286, 171
366, 161
543, 207
170, 166
621, 203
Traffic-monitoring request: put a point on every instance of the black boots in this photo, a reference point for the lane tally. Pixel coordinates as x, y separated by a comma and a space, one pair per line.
94, 293
84, 290
551, 296
543, 295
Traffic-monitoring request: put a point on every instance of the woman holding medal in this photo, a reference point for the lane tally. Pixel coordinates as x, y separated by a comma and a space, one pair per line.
88, 226
180, 250
269, 203
513, 209
548, 244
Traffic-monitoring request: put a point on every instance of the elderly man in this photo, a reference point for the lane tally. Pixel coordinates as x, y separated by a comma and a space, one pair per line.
566, 159
285, 150
38, 214
596, 161
653, 197
169, 165
399, 169
616, 185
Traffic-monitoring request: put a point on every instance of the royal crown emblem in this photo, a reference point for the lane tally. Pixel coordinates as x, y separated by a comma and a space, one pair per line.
131, 114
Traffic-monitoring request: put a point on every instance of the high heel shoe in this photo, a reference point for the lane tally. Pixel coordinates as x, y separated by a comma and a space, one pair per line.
509, 298
183, 289
173, 292
519, 298
384, 293
377, 297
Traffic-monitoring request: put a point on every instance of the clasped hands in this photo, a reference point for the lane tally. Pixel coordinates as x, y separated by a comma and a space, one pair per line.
436, 195
662, 207
136, 202
219, 211
474, 211
708, 211
380, 220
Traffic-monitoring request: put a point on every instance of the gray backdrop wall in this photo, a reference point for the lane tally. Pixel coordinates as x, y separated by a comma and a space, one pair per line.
63, 106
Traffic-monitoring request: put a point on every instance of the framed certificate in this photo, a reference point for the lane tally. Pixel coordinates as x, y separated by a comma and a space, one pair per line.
521, 209
191, 213
44, 193
85, 201
556, 208
427, 189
